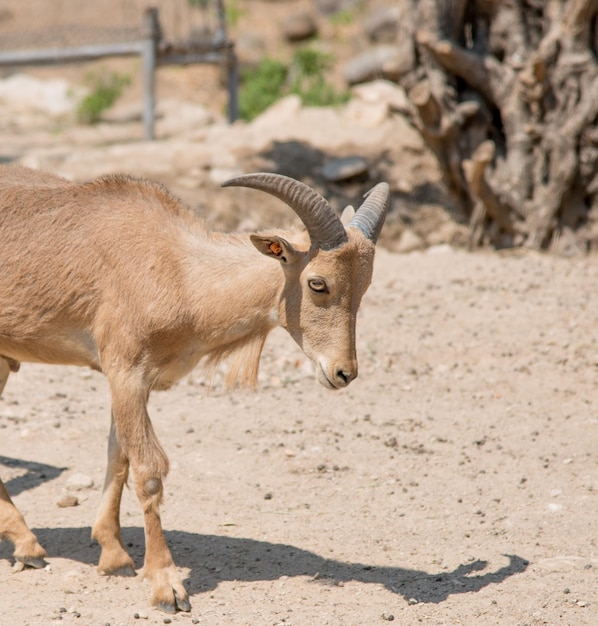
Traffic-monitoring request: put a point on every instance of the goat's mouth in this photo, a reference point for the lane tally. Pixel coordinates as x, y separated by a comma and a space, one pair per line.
323, 378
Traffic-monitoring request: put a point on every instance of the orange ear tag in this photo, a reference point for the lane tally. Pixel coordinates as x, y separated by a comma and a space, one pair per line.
276, 248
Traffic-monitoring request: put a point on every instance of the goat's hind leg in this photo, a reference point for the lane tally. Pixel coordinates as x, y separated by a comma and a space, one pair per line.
7, 365
4, 372
114, 558
13, 527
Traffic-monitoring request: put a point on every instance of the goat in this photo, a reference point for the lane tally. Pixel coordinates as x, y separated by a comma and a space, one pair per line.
118, 275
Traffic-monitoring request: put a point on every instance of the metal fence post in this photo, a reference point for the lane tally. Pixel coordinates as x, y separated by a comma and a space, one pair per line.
151, 38
233, 80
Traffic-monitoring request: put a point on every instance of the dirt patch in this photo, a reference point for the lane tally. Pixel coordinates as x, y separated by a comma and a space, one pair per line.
454, 482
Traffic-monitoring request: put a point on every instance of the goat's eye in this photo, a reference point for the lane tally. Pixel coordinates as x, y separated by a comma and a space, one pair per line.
318, 285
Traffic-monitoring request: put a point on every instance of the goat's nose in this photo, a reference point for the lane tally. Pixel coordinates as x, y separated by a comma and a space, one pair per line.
345, 375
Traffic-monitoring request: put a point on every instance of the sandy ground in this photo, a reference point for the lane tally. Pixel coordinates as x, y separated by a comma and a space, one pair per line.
454, 482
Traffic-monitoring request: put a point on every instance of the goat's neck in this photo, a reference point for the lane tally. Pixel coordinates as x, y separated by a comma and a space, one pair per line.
236, 304
240, 295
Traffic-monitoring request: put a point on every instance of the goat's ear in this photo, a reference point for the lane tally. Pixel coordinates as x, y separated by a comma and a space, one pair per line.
276, 247
347, 215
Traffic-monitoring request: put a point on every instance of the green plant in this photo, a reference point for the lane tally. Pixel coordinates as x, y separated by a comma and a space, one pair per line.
105, 89
305, 76
261, 87
308, 69
233, 12
342, 17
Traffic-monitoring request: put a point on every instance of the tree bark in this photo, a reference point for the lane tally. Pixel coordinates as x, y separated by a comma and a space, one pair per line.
506, 96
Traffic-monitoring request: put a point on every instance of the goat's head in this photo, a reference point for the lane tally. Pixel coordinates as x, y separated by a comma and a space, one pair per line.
326, 275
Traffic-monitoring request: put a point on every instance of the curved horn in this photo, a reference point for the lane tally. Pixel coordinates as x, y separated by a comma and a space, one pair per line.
369, 217
323, 224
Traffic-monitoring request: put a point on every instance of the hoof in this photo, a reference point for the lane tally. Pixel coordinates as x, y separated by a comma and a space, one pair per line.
165, 607
35, 562
180, 604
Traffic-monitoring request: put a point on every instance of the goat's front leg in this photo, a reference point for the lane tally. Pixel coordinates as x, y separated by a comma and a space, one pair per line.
114, 558
13, 527
149, 464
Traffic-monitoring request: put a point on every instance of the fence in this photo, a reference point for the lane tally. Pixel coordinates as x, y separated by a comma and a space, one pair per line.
193, 31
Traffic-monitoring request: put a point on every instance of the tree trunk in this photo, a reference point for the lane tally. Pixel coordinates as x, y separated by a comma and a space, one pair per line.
505, 93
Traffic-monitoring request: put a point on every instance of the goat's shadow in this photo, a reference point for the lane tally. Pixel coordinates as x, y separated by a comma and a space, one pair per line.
35, 474
212, 559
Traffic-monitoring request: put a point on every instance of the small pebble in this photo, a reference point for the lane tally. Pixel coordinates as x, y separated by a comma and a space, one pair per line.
389, 617
566, 590
79, 482
167, 620
412, 601
67, 500
268, 496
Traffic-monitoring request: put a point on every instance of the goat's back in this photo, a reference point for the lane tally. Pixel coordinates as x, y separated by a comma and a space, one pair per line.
46, 220
71, 252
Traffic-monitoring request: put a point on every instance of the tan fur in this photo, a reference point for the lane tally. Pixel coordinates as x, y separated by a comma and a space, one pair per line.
117, 275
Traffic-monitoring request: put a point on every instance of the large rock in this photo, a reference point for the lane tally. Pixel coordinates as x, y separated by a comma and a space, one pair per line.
377, 62
250, 48
383, 92
54, 97
329, 7
299, 26
344, 169
381, 24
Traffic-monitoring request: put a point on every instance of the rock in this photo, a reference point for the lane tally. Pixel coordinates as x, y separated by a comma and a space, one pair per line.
329, 7
67, 500
55, 97
367, 114
299, 26
218, 175
78, 482
376, 62
447, 233
280, 112
383, 92
443, 248
175, 117
409, 241
381, 24
343, 169
250, 49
